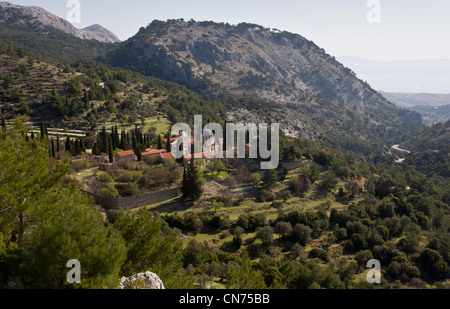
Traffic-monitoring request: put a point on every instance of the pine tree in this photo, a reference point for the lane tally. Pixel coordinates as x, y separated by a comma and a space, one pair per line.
194, 185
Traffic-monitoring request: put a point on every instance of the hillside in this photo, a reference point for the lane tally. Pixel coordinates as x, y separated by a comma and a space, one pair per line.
88, 94
436, 138
274, 66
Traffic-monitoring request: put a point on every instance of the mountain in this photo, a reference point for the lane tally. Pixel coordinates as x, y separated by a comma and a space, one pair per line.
35, 14
402, 76
273, 66
99, 33
45, 35
417, 99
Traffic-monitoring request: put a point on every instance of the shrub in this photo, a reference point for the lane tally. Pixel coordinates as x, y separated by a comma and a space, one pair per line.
109, 193
266, 196
319, 253
105, 177
130, 176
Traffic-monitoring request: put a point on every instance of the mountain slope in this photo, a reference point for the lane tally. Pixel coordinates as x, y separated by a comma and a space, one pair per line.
46, 19
280, 67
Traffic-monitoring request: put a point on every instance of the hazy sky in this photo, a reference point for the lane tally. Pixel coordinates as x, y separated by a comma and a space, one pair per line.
409, 29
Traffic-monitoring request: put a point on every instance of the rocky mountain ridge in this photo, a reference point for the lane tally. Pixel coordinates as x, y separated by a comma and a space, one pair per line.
22, 15
248, 60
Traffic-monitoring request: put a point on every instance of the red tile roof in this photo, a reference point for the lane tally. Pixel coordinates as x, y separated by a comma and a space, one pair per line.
125, 153
153, 152
167, 155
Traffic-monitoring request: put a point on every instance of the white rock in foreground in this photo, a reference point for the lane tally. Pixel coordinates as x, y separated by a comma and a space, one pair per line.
147, 280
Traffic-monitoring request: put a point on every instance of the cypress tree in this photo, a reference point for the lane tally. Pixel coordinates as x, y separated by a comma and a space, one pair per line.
159, 142
83, 145
110, 154
32, 135
57, 142
123, 140
68, 144
184, 188
53, 148
134, 142
116, 137
104, 141
42, 130
138, 154
168, 142
4, 124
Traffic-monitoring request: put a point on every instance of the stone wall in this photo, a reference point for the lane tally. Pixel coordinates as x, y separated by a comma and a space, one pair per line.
131, 202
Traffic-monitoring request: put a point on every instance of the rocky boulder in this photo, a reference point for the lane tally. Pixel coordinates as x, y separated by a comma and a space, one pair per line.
147, 280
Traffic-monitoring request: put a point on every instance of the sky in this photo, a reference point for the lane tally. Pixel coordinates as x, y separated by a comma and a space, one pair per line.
381, 30
408, 29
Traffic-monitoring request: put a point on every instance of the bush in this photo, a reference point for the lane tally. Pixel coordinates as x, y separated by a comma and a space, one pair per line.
265, 234
130, 176
105, 177
319, 253
255, 179
433, 263
266, 196
109, 193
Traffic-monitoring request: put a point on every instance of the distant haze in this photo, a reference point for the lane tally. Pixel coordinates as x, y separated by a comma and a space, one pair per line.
410, 76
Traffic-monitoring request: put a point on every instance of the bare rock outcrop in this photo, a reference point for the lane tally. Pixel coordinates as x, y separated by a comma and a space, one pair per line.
147, 280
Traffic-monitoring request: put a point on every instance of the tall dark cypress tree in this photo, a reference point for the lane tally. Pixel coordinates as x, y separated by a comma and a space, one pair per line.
116, 137
110, 154
4, 124
159, 142
53, 148
83, 145
57, 142
138, 154
104, 141
134, 142
168, 146
68, 144
42, 130
76, 148
184, 188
